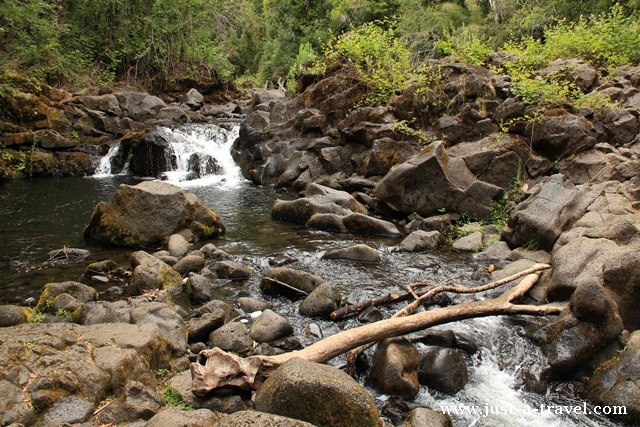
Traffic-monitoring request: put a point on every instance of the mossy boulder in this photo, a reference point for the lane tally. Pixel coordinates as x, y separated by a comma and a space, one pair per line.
148, 213
319, 394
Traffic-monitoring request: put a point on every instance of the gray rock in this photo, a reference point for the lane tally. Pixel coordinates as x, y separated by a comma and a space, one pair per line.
471, 243
69, 409
360, 253
270, 327
200, 327
497, 251
259, 419
173, 115
251, 305
322, 301
77, 290
364, 224
233, 336
443, 369
200, 288
370, 314
297, 279
68, 255
12, 407
190, 263
149, 212
151, 273
173, 417
233, 270
421, 240
97, 312
121, 364
223, 404
426, 417
140, 106
178, 245
172, 326
319, 394
394, 370
181, 384
11, 315
138, 402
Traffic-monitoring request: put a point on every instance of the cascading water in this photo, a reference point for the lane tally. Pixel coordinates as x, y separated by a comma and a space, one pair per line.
197, 154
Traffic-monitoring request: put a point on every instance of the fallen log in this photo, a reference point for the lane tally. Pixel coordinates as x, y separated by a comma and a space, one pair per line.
217, 369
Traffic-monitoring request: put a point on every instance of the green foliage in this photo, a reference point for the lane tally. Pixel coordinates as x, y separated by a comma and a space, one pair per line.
172, 399
501, 209
306, 55
380, 59
466, 46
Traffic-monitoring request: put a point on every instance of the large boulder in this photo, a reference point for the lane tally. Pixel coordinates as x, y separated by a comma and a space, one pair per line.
443, 369
395, 368
616, 382
319, 394
149, 212
433, 180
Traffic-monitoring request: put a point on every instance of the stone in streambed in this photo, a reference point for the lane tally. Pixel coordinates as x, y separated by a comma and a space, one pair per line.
359, 253
443, 369
270, 327
395, 368
324, 300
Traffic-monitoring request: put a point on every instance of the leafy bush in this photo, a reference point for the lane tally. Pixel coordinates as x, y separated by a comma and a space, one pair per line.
379, 58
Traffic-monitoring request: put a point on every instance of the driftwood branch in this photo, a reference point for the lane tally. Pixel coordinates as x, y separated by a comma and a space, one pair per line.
284, 285
215, 368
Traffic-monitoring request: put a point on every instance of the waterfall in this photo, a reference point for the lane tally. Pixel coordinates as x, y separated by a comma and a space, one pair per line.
193, 154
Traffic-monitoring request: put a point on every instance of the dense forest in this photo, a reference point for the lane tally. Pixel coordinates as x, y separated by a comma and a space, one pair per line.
153, 43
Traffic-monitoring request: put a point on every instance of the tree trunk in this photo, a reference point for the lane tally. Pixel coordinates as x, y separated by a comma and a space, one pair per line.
216, 368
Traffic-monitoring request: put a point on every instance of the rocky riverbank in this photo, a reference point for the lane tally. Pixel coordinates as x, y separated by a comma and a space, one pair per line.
565, 178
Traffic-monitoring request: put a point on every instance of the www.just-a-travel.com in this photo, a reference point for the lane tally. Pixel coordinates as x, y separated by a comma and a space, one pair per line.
488, 410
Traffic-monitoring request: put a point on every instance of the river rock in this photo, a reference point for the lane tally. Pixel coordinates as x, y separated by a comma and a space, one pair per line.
76, 290
270, 327
199, 288
615, 381
140, 106
364, 224
148, 212
201, 327
259, 419
68, 255
394, 370
173, 327
139, 402
471, 243
233, 337
190, 263
319, 394
297, 279
172, 114
121, 364
552, 208
11, 315
151, 273
98, 312
420, 240
433, 180
499, 251
322, 301
251, 305
443, 369
174, 417
359, 253
426, 417
178, 246
13, 409
233, 270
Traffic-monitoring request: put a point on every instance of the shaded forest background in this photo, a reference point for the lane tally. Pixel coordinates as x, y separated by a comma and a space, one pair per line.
154, 43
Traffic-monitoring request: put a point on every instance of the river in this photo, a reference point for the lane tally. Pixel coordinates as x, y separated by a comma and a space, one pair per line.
39, 215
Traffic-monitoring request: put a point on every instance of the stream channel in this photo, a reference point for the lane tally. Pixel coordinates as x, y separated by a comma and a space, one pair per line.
39, 215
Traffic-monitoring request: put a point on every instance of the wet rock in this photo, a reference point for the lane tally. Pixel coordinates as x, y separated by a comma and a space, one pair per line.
190, 263
151, 273
101, 267
370, 315
233, 270
200, 288
615, 381
68, 255
201, 327
322, 301
251, 305
259, 419
178, 246
233, 336
364, 224
149, 212
11, 315
426, 417
359, 253
297, 279
270, 327
319, 394
139, 402
471, 243
443, 369
419, 241
395, 368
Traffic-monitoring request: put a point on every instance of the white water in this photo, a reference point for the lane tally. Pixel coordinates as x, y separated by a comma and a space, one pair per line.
496, 375
209, 142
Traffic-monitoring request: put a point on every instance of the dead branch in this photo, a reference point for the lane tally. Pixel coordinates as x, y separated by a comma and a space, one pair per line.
284, 285
215, 368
